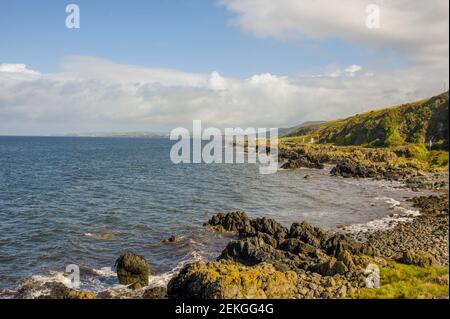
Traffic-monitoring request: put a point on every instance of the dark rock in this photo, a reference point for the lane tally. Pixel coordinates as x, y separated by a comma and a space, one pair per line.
351, 168
267, 226
330, 268
313, 236
232, 222
254, 250
133, 270
303, 161
338, 243
296, 246
173, 240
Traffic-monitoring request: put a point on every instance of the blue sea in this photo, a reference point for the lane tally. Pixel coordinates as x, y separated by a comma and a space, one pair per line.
83, 201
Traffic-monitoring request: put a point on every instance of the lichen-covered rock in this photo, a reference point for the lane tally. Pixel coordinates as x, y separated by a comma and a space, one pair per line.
57, 290
418, 257
133, 270
330, 268
347, 259
229, 280
155, 293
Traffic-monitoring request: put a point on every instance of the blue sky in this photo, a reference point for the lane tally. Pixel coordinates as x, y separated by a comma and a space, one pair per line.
155, 65
189, 35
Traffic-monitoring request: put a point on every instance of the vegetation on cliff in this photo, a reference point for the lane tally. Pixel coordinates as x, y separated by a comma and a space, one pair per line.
411, 123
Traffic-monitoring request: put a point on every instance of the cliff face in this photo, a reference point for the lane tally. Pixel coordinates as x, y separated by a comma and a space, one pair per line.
416, 122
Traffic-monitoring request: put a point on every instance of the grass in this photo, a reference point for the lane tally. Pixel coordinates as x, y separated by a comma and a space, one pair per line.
408, 123
399, 281
438, 159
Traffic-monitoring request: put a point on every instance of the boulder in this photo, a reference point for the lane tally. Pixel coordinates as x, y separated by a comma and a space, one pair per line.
267, 226
296, 246
340, 242
330, 268
133, 270
418, 258
313, 236
253, 250
347, 259
173, 240
229, 280
231, 222
350, 168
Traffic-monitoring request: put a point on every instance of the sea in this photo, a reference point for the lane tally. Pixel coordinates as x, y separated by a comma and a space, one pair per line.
85, 200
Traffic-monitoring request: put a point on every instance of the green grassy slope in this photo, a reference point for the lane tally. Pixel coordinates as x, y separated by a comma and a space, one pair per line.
410, 123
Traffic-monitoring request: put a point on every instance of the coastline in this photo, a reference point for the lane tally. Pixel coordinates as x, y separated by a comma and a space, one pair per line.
323, 263
389, 242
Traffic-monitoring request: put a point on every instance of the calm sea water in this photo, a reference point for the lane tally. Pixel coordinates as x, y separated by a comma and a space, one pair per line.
58, 195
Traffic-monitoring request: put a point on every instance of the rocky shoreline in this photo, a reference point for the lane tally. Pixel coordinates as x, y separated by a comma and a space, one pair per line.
309, 262
398, 164
268, 260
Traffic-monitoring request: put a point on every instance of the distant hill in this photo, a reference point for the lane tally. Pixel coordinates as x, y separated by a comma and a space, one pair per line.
415, 122
285, 131
120, 134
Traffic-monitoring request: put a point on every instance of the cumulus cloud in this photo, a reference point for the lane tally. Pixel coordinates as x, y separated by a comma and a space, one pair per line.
92, 94
16, 68
418, 30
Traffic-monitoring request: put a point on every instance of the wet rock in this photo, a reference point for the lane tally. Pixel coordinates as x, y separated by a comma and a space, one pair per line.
229, 280
352, 168
155, 293
173, 240
303, 161
133, 270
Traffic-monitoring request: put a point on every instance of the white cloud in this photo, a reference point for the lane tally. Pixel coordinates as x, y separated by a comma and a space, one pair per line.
92, 94
16, 68
352, 70
418, 30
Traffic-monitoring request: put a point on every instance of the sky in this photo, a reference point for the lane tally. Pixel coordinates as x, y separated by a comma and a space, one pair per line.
157, 65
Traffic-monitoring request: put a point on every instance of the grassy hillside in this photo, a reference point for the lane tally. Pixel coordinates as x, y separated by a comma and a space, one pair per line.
283, 131
411, 123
